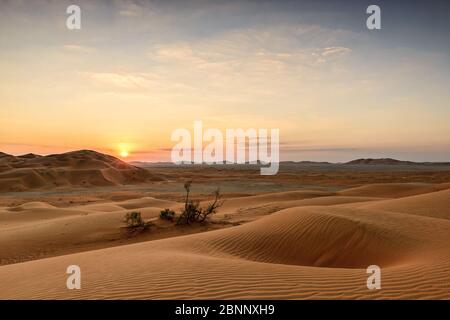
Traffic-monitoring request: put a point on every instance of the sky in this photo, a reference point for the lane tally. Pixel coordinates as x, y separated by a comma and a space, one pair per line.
138, 70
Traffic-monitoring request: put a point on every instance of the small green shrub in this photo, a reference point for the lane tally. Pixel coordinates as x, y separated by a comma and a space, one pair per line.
167, 214
134, 221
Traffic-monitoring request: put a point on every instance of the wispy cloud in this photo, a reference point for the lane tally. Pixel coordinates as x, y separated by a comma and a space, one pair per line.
263, 47
335, 51
78, 48
130, 9
121, 80
264, 61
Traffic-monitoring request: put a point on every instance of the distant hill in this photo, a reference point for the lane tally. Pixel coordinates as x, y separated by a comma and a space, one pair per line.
29, 156
5, 155
390, 161
307, 162
83, 168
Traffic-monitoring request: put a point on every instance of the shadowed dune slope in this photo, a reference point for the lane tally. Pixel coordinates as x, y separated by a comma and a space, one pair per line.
326, 237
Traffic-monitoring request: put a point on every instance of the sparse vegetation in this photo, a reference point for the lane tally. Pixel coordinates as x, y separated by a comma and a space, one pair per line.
135, 222
193, 212
167, 214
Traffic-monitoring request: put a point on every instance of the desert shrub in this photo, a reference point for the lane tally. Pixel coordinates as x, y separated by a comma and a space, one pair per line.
211, 208
190, 212
193, 212
167, 214
134, 221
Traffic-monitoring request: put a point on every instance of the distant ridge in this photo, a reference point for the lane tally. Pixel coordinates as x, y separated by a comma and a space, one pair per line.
148, 164
362, 161
390, 161
88, 168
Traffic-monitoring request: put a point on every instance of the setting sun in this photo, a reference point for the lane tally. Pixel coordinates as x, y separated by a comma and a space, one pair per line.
124, 153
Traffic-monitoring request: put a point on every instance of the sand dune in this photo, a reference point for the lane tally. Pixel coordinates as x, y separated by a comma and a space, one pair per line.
34, 229
249, 212
83, 168
319, 247
393, 190
31, 205
146, 202
64, 228
434, 204
233, 204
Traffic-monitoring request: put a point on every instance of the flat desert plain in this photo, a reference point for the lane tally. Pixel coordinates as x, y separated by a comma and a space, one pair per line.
309, 232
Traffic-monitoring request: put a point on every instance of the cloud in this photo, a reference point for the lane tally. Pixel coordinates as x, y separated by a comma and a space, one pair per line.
130, 9
77, 48
128, 13
321, 149
121, 80
335, 51
268, 62
267, 47
263, 61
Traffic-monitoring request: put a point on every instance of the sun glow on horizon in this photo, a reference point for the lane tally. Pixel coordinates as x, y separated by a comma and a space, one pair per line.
124, 149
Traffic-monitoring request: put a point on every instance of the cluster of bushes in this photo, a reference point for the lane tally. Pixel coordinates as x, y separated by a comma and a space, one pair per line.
192, 211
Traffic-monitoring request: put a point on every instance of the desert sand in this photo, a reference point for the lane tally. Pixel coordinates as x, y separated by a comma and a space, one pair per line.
299, 243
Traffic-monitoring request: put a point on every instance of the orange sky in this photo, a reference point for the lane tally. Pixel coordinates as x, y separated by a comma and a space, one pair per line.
134, 73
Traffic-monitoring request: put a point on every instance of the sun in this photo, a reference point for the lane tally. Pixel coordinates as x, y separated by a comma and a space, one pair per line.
124, 149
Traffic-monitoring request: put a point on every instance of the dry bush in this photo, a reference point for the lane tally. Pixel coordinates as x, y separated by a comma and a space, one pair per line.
135, 222
193, 212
